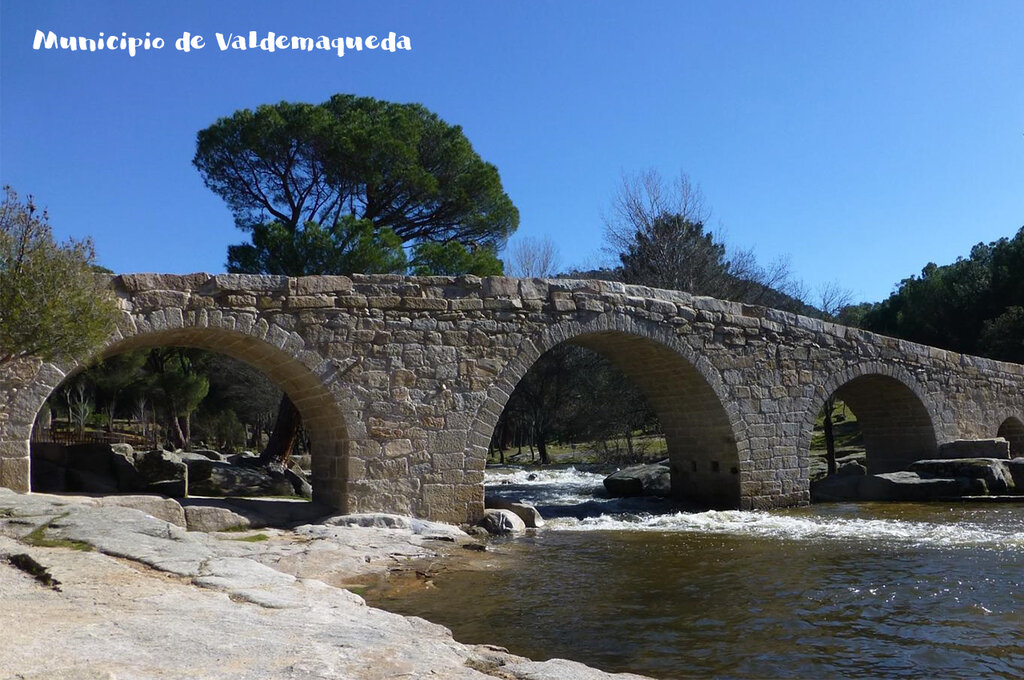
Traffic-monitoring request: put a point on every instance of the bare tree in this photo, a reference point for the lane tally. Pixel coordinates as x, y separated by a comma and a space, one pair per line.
645, 197
658, 232
833, 299
533, 257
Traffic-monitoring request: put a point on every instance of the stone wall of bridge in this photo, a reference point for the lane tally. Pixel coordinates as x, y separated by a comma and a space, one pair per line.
400, 381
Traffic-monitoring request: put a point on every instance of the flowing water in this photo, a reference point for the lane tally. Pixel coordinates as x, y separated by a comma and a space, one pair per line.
839, 590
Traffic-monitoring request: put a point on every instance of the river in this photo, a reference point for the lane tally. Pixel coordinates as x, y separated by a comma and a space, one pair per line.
852, 590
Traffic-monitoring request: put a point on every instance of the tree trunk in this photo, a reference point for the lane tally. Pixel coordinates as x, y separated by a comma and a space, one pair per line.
830, 439
542, 448
286, 431
176, 433
186, 431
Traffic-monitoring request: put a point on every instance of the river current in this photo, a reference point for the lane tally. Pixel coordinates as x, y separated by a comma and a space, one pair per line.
852, 590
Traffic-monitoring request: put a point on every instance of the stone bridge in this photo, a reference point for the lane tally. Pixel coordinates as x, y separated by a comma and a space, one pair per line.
400, 381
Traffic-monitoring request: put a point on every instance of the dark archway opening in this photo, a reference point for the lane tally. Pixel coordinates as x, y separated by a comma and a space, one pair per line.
1012, 430
101, 428
616, 397
894, 426
210, 394
574, 407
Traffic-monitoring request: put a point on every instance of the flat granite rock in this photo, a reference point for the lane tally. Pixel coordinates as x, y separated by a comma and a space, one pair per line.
238, 614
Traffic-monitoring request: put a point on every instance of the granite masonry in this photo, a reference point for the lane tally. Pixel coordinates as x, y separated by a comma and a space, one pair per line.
400, 380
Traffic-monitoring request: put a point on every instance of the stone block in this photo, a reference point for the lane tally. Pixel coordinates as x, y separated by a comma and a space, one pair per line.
14, 474
351, 301
160, 298
240, 300
424, 304
15, 449
499, 286
383, 301
246, 283
397, 447
533, 289
976, 448
449, 461
134, 283
317, 301
465, 304
311, 285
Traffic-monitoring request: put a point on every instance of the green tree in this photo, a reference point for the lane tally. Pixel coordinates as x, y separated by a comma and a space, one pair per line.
970, 306
345, 186
348, 245
181, 382
1003, 336
675, 253
52, 304
112, 378
397, 165
453, 258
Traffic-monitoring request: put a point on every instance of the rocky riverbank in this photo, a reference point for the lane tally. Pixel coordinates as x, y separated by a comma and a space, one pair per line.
95, 590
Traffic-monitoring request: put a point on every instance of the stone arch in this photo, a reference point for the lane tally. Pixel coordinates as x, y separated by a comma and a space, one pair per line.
1012, 430
308, 379
897, 420
705, 435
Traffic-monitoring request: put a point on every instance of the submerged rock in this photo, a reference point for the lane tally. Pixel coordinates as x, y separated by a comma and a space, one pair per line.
640, 480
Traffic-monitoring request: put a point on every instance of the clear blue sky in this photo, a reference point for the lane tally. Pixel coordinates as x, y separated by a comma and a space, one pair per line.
863, 139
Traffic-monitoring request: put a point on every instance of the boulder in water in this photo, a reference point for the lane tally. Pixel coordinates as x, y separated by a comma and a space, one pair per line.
1016, 469
526, 512
835, 488
909, 486
640, 480
502, 522
997, 476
